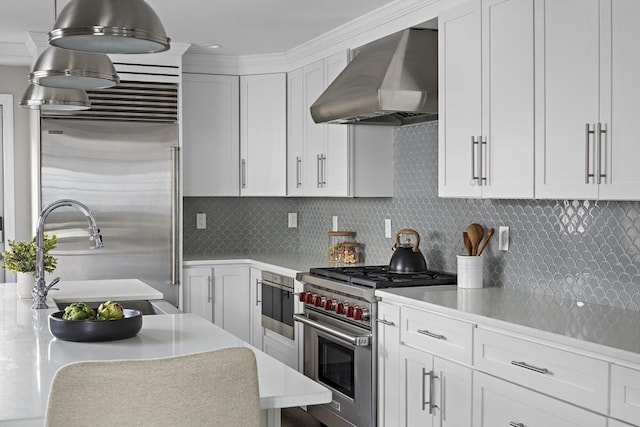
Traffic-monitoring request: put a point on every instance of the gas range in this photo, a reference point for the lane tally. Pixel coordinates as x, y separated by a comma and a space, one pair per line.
340, 335
348, 292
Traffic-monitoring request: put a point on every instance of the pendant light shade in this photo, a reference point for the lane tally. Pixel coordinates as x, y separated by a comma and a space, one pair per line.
71, 69
50, 98
109, 26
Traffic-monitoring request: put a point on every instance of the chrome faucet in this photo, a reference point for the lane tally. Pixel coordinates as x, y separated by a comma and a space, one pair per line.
40, 288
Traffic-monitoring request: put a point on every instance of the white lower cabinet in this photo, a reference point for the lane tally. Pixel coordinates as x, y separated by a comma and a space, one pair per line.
220, 294
388, 363
437, 369
434, 391
198, 291
257, 334
625, 394
500, 403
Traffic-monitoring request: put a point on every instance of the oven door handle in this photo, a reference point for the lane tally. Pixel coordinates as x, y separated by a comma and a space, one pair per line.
356, 340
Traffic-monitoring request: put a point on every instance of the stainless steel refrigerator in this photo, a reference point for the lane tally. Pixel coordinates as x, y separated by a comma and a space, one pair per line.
127, 174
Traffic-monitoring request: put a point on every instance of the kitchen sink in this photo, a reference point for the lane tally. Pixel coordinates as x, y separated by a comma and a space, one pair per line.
144, 306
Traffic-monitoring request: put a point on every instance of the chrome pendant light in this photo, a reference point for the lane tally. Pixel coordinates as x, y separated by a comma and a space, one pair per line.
49, 98
109, 26
64, 68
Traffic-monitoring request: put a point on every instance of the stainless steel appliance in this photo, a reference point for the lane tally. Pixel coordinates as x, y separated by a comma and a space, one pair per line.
340, 345
126, 172
277, 303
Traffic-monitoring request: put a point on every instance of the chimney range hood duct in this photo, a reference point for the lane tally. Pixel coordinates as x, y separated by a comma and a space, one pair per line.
391, 81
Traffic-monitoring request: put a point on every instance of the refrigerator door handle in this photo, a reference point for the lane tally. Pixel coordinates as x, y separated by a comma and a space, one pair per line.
175, 213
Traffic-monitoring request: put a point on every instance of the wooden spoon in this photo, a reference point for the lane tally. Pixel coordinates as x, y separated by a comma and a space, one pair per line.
467, 242
485, 242
475, 233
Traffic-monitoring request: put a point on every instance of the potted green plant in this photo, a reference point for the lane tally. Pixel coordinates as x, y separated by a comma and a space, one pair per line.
21, 259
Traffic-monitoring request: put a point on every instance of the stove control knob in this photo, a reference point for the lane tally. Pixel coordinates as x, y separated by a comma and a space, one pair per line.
317, 300
361, 314
329, 304
351, 310
341, 307
303, 296
309, 298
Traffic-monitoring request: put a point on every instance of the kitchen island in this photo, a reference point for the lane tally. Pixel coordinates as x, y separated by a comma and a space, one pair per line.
30, 355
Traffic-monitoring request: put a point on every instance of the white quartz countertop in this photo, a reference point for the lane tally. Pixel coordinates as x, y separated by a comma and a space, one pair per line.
98, 290
30, 355
294, 262
609, 331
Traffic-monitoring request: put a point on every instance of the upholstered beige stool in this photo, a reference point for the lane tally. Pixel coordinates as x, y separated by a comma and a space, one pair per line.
215, 388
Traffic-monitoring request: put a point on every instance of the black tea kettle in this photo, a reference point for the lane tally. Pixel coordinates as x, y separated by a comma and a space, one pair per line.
407, 257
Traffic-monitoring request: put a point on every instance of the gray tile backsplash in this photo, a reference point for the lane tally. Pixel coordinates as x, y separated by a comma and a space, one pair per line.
582, 250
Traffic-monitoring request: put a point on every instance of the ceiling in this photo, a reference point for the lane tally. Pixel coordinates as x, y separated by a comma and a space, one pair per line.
241, 27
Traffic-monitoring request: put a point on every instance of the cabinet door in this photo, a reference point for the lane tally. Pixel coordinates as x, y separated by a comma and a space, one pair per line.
313, 80
232, 303
198, 291
335, 166
295, 133
263, 135
453, 393
416, 391
459, 100
256, 308
499, 403
388, 363
211, 135
567, 97
621, 101
507, 98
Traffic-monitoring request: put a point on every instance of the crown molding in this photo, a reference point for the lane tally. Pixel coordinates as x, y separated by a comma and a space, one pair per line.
14, 54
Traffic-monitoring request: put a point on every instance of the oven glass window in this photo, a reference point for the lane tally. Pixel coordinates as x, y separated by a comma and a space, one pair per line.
335, 366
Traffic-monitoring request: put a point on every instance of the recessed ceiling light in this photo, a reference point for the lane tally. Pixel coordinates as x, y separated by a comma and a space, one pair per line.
213, 46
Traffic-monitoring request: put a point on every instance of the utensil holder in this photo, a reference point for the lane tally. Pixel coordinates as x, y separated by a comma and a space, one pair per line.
470, 270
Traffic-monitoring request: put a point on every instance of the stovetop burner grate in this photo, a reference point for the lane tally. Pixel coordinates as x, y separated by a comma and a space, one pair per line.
380, 277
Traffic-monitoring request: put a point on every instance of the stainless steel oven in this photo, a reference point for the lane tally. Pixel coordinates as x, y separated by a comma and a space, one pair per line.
340, 348
338, 356
278, 303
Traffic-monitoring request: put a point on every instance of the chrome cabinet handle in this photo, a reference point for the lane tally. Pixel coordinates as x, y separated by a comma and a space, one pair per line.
323, 161
431, 334
385, 322
258, 300
209, 298
474, 143
318, 160
530, 367
243, 179
587, 132
599, 131
482, 147
515, 424
298, 172
428, 403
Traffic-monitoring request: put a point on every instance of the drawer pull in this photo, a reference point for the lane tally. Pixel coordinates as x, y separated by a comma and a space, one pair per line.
530, 367
431, 334
515, 424
385, 322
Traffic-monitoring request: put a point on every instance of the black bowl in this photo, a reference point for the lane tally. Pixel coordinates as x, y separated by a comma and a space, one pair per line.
95, 330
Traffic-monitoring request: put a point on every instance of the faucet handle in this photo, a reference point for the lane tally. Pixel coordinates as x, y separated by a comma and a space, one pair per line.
52, 284
96, 237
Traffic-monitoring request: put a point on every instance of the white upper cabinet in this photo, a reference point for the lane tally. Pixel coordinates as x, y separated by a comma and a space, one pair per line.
211, 132
588, 99
333, 160
486, 90
263, 135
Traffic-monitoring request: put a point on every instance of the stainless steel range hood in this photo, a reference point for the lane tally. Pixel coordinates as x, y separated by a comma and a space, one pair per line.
392, 81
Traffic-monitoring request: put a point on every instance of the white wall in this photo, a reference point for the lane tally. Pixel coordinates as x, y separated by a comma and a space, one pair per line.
13, 80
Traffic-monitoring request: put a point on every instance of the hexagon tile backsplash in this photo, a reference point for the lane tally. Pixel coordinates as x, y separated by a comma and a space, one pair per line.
584, 250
